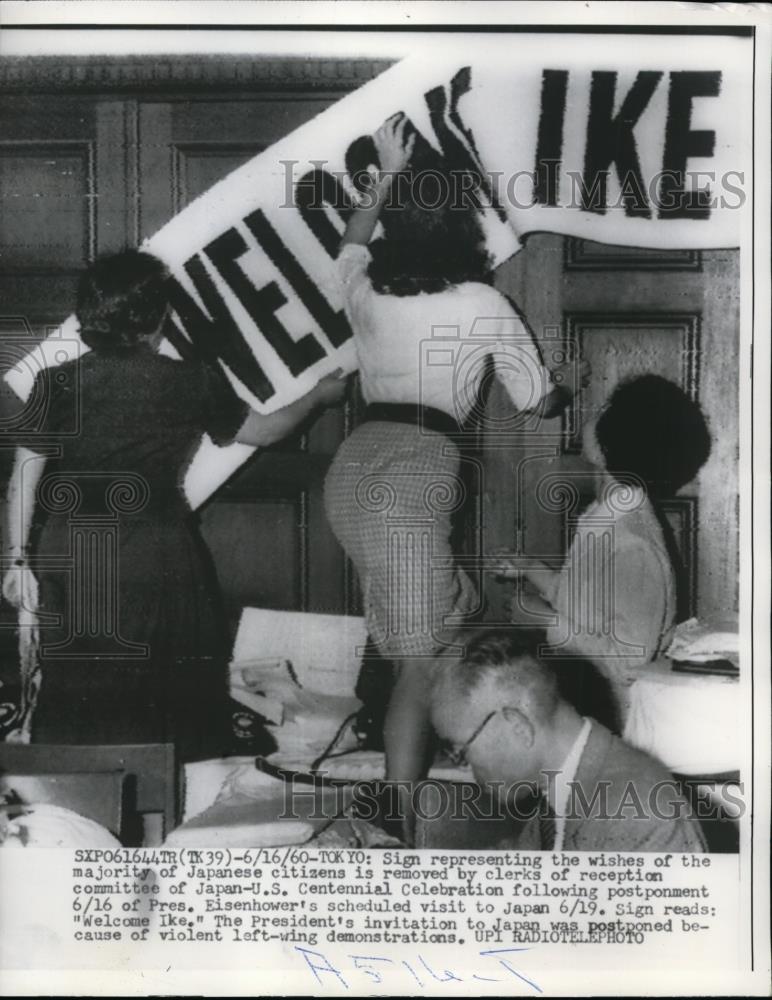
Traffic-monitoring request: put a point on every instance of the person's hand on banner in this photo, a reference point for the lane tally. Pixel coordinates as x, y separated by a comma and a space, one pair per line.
393, 152
331, 389
393, 156
262, 429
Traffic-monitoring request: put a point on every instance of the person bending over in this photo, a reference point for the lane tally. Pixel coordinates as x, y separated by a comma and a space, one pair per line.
567, 782
614, 603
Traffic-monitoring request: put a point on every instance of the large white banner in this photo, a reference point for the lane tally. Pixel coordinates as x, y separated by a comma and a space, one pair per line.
641, 142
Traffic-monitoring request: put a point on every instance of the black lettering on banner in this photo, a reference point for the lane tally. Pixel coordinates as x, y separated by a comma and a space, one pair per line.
262, 304
334, 324
593, 195
681, 143
214, 336
631, 190
549, 143
610, 140
174, 335
461, 84
461, 157
313, 191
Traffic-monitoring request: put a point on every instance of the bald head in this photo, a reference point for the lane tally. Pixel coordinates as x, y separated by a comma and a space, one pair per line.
499, 708
497, 668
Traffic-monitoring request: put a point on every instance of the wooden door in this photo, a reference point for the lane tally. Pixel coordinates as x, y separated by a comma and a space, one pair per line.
266, 527
95, 155
628, 311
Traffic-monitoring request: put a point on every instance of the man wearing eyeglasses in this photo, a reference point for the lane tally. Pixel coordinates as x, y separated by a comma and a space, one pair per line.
566, 781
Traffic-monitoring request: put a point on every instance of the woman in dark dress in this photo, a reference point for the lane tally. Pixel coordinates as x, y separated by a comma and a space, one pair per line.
132, 646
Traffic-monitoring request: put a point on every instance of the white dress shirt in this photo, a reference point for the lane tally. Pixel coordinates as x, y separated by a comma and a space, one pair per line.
561, 783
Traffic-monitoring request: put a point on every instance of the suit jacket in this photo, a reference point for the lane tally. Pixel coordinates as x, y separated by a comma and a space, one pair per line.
622, 800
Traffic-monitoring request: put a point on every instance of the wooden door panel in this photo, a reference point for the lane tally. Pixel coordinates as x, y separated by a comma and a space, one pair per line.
266, 527
197, 166
671, 312
261, 118
86, 173
48, 230
49, 223
186, 146
46, 205
585, 255
623, 346
95, 157
259, 552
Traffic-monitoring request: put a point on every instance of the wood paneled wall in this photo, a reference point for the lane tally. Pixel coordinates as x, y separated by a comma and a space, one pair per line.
629, 311
97, 154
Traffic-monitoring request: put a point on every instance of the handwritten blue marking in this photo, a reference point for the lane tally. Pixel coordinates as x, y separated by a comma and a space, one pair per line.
449, 975
372, 973
316, 969
318, 963
412, 973
505, 963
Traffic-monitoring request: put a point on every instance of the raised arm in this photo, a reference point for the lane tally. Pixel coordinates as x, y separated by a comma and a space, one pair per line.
394, 155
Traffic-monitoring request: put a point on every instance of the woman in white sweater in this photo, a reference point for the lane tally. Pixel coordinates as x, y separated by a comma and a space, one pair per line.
426, 323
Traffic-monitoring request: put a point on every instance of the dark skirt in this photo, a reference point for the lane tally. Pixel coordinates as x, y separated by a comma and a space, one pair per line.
133, 647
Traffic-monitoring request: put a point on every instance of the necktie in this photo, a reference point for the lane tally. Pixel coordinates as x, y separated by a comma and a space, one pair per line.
547, 825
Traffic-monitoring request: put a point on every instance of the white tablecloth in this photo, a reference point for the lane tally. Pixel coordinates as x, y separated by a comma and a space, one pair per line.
690, 722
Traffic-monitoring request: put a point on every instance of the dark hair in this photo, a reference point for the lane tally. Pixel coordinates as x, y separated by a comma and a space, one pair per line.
433, 238
500, 646
121, 300
651, 428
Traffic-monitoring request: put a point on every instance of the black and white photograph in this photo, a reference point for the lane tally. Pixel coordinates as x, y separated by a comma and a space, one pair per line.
384, 481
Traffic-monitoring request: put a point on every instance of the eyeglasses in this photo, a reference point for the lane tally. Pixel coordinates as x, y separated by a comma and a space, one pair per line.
457, 754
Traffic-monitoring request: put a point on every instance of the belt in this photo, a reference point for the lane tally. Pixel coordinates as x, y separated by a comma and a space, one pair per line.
427, 417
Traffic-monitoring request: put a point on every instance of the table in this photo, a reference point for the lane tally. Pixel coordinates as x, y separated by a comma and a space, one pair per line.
687, 721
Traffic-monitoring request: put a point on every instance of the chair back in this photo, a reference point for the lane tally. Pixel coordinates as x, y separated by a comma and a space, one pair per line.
97, 795
149, 773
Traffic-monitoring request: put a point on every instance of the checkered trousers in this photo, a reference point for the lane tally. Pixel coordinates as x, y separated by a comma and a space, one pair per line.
390, 495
